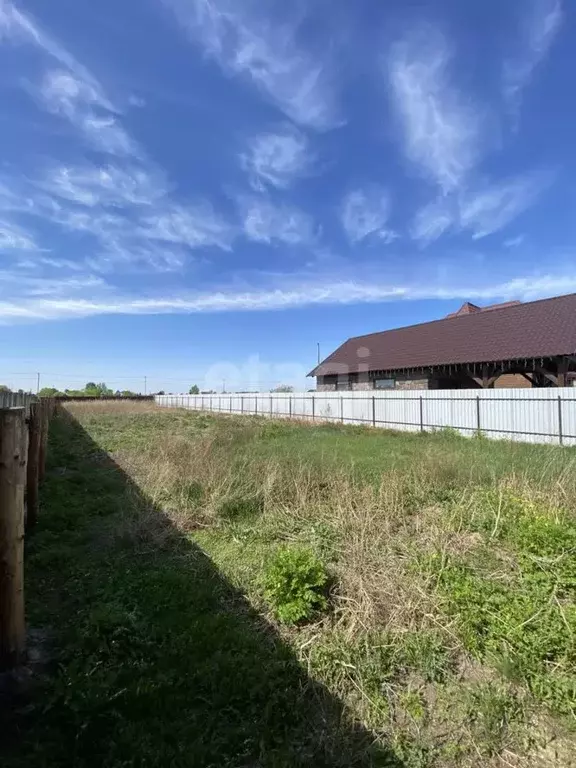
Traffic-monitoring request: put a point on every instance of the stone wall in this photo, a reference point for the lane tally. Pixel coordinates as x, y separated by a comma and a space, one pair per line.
421, 382
361, 383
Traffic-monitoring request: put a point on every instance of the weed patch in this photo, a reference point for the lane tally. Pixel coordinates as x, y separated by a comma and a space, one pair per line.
295, 583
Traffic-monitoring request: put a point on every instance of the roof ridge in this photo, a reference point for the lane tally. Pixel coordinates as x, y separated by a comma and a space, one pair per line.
460, 317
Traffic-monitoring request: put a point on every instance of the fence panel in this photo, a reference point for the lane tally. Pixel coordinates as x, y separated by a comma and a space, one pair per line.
545, 415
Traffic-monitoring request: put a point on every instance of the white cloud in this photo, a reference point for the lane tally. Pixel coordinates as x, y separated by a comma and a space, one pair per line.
491, 207
539, 30
14, 238
19, 27
137, 256
194, 226
69, 90
106, 185
514, 242
434, 219
277, 158
345, 292
441, 127
85, 107
481, 208
264, 222
266, 53
365, 213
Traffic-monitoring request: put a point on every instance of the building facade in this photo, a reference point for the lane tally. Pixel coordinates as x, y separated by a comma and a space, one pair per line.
515, 344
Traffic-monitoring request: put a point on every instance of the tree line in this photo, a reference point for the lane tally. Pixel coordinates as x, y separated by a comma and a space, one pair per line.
92, 389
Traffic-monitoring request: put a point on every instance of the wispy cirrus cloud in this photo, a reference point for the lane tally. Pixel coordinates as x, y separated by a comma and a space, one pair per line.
481, 208
264, 222
195, 225
266, 52
489, 208
18, 27
15, 238
106, 185
365, 214
83, 104
277, 158
441, 127
434, 219
67, 87
104, 301
127, 212
539, 28
124, 204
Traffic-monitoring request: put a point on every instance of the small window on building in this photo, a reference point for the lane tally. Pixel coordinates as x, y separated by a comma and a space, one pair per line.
384, 383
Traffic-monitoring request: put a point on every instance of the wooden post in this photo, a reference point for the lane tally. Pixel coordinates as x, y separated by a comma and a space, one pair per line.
373, 411
13, 450
33, 465
44, 405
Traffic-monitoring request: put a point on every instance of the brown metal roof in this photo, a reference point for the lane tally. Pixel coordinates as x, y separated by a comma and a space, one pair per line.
536, 329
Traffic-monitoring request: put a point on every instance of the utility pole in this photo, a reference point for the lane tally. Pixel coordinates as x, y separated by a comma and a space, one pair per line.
37, 383
318, 346
223, 386
145, 385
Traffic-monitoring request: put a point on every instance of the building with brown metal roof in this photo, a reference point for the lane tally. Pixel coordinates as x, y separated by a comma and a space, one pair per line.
532, 342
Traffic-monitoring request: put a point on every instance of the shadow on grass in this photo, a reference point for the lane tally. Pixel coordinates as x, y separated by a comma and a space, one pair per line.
156, 658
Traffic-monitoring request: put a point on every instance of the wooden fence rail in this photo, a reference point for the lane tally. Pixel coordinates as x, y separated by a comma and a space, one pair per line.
23, 441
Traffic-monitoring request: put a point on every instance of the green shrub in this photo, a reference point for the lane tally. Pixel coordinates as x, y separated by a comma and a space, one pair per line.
295, 583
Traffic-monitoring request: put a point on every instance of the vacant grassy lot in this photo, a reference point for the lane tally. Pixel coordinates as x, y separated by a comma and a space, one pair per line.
442, 620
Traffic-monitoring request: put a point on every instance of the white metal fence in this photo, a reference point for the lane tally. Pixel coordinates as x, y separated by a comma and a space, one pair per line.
545, 415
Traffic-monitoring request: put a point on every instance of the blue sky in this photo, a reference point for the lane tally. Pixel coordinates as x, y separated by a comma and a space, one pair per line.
198, 190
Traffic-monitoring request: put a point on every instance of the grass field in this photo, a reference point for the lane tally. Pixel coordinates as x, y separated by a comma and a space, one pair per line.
443, 627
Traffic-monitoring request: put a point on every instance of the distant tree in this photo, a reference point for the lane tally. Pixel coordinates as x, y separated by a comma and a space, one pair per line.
97, 390
4, 388
206, 392
50, 392
160, 392
194, 390
128, 393
283, 388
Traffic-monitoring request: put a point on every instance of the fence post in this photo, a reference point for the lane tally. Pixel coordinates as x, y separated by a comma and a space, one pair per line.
256, 405
242, 404
44, 419
478, 426
560, 431
342, 409
230, 403
270, 406
373, 410
32, 467
13, 454
421, 414
313, 408
290, 407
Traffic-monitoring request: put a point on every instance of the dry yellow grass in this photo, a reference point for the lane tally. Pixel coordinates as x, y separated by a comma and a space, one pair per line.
379, 536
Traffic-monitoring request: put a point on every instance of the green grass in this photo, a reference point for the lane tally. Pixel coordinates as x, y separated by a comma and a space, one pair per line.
446, 637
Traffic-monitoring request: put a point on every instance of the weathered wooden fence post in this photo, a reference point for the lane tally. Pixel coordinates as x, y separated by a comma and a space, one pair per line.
13, 454
43, 418
33, 465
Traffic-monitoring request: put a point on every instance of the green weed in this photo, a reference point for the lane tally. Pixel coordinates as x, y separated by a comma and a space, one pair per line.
295, 583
